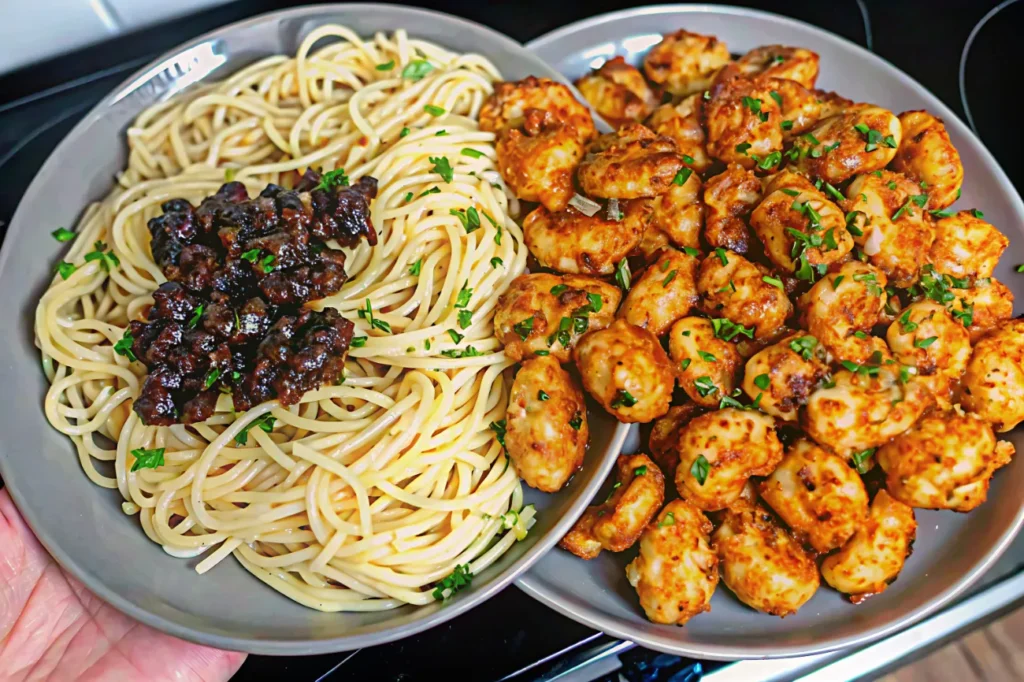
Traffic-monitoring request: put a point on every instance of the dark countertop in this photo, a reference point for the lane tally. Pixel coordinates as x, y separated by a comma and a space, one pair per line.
39, 105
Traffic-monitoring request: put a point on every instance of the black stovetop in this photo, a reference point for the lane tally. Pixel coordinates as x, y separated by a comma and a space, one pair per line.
511, 635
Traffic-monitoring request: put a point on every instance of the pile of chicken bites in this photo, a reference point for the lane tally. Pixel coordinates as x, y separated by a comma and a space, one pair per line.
772, 276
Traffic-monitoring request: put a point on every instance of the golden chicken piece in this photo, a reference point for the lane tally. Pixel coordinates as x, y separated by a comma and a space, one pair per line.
676, 570
626, 370
529, 315
684, 63
744, 124
664, 293
708, 366
966, 246
745, 293
780, 378
665, 433
616, 523
630, 163
986, 305
538, 161
841, 309
870, 561
572, 242
719, 451
927, 156
546, 429
681, 122
761, 563
819, 496
926, 337
858, 141
945, 461
889, 225
679, 212
800, 228
775, 61
864, 406
618, 92
799, 107
729, 197
508, 105
993, 384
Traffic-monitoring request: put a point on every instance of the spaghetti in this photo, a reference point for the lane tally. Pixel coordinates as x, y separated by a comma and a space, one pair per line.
365, 495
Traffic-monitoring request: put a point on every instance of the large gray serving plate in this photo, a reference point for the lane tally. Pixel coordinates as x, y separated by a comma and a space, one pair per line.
952, 550
82, 525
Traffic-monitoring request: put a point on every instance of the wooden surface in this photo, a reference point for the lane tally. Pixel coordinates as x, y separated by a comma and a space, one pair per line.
991, 654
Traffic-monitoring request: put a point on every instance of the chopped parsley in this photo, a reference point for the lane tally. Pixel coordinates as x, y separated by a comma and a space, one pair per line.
265, 423
367, 314
469, 218
386, 66
755, 108
720, 252
65, 269
669, 520
682, 176
542, 396
124, 346
417, 69
804, 346
700, 468
464, 296
495, 262
705, 356
148, 459
416, 267
442, 167
774, 281
196, 315
360, 341
860, 460
705, 386
690, 251
461, 577
640, 470
211, 378
433, 110
742, 148
62, 234
267, 263
523, 328
727, 330
106, 258
668, 278
762, 381
559, 289
577, 421
965, 314
623, 398
685, 363
906, 323
334, 178
924, 343
623, 277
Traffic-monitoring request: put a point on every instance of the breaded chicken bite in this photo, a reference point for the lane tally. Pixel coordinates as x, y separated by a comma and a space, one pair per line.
858, 141
665, 292
993, 384
945, 461
546, 429
507, 106
820, 497
618, 92
865, 406
684, 63
676, 571
573, 242
761, 563
679, 212
682, 122
538, 160
743, 121
776, 61
729, 197
719, 451
743, 292
928, 157
616, 523
966, 246
800, 227
708, 366
630, 163
984, 306
889, 225
529, 315
626, 370
841, 310
780, 377
926, 337
874, 556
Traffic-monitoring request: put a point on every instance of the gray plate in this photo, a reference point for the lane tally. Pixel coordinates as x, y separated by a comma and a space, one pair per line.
952, 550
82, 525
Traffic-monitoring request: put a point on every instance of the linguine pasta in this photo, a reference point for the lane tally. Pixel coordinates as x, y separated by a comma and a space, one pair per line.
365, 495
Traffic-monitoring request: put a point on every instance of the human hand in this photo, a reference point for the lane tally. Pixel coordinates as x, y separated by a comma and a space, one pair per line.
52, 628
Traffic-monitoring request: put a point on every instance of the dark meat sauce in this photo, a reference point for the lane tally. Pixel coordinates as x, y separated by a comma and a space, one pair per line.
231, 318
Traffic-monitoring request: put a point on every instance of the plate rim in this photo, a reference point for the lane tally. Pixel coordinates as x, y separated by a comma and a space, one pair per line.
611, 625
252, 642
